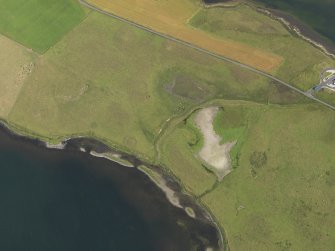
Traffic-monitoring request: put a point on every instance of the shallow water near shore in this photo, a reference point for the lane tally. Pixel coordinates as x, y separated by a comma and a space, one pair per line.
69, 200
318, 14
314, 18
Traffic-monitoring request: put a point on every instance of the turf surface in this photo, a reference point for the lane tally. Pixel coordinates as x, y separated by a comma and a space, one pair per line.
39, 24
114, 81
280, 193
302, 63
136, 91
281, 197
16, 64
171, 17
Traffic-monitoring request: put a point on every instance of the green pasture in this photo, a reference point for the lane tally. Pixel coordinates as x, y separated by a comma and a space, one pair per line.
114, 82
302, 62
326, 95
280, 193
180, 158
231, 125
281, 196
136, 91
39, 24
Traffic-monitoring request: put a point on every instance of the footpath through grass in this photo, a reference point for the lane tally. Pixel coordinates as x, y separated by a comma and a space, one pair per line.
39, 24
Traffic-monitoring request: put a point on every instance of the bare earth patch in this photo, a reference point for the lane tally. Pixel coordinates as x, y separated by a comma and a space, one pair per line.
213, 153
15, 66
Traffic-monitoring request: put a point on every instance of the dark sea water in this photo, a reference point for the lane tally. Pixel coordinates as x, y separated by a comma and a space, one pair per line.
70, 201
318, 14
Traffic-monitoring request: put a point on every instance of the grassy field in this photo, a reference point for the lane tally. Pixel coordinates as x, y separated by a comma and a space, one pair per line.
280, 195
231, 125
179, 157
244, 24
121, 84
326, 95
16, 64
137, 92
39, 24
238, 32
171, 17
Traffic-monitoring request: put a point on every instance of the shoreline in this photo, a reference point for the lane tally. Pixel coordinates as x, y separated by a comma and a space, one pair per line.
300, 30
291, 23
171, 185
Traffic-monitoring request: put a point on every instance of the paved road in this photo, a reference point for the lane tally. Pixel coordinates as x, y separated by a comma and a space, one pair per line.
308, 94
